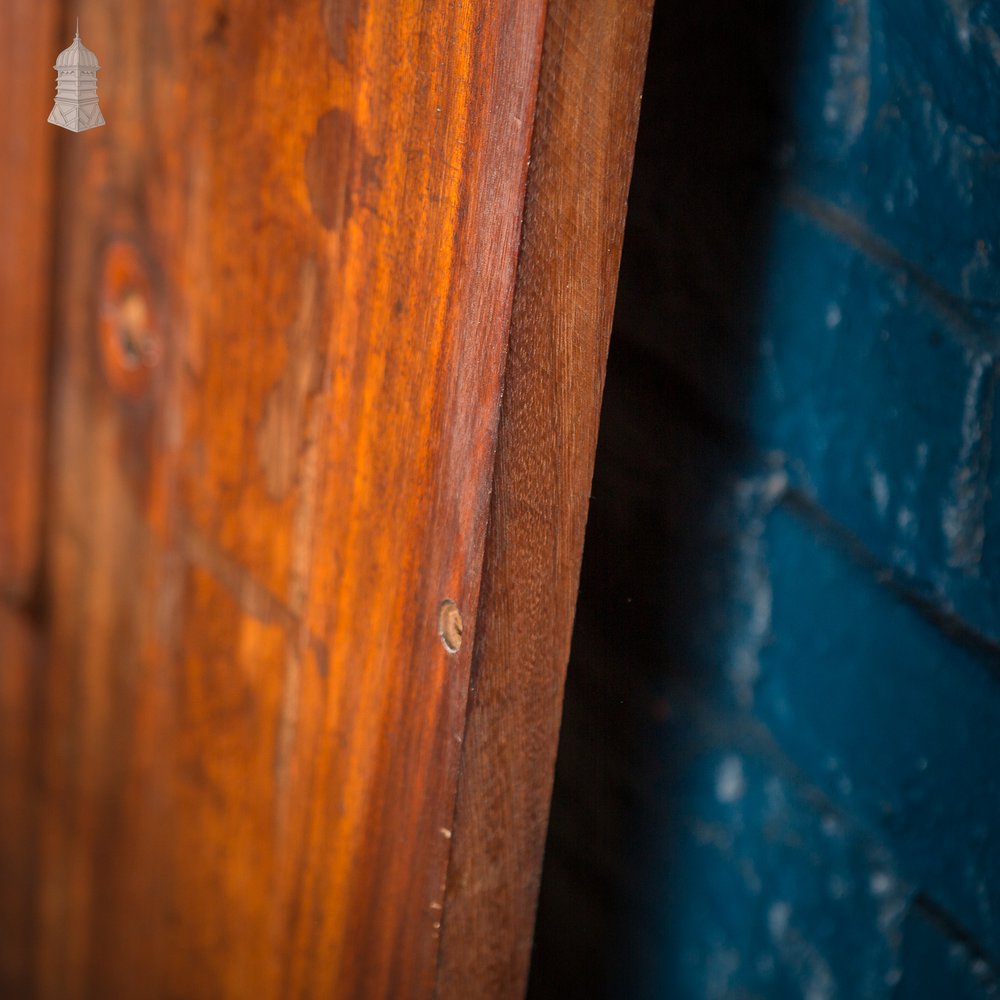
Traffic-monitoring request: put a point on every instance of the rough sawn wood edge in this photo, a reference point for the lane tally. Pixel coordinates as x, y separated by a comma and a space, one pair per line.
593, 65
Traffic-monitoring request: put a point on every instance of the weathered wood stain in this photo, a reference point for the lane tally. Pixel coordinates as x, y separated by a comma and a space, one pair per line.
230, 732
246, 724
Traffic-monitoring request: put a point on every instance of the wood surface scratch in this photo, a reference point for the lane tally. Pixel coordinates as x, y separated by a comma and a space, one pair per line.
280, 436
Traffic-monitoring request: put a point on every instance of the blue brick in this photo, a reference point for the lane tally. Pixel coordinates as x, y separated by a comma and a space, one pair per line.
892, 719
896, 118
883, 414
830, 627
779, 896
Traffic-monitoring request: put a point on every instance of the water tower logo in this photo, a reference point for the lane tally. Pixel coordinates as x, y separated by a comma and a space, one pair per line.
76, 106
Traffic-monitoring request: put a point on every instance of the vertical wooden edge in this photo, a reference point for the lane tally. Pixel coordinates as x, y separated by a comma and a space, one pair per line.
29, 31
593, 64
19, 651
28, 36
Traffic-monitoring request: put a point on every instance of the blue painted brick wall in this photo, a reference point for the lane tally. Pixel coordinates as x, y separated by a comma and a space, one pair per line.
778, 775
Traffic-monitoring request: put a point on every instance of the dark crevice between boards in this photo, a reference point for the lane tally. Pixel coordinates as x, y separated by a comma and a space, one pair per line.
704, 189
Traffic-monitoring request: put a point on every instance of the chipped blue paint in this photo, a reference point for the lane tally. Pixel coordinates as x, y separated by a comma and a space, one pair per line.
781, 895
893, 720
833, 800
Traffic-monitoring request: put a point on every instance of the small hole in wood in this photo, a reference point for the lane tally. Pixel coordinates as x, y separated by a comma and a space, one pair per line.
137, 344
450, 626
127, 330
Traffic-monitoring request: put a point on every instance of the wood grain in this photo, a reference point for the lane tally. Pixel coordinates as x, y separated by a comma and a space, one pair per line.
27, 37
19, 661
27, 40
286, 273
588, 107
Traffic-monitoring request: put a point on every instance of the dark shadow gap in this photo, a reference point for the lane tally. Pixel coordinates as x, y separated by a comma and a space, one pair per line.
705, 183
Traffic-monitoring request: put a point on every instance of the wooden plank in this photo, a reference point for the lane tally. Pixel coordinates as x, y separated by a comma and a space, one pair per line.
287, 267
588, 107
19, 662
27, 50
27, 39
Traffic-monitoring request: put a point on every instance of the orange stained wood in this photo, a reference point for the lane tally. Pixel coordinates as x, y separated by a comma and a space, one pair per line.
285, 271
27, 36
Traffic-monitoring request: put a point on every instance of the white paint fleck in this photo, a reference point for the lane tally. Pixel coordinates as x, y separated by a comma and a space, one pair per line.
799, 954
821, 985
846, 101
777, 919
962, 517
831, 826
730, 782
776, 482
963, 24
891, 911
880, 489
880, 884
753, 499
833, 316
907, 521
721, 967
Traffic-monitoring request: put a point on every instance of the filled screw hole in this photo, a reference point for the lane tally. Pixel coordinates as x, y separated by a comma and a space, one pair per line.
450, 626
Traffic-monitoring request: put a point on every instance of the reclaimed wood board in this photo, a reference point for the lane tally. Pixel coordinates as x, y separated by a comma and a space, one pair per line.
27, 37
27, 40
593, 65
257, 485
286, 269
